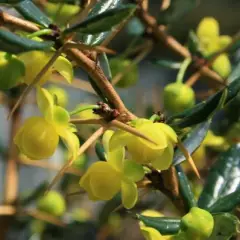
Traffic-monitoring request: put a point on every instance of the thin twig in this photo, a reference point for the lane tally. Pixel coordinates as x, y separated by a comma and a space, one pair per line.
7, 210
49, 166
115, 124
82, 149
44, 217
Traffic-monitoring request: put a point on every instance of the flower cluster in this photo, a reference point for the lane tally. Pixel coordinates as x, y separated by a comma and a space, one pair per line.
39, 136
103, 180
211, 42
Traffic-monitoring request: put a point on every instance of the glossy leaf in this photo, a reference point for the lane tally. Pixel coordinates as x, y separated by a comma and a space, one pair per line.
12, 43
100, 7
225, 226
227, 203
235, 74
167, 63
202, 111
185, 189
223, 179
32, 13
164, 225
176, 11
193, 141
104, 21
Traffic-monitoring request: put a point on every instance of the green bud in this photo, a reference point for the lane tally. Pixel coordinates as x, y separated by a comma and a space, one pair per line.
222, 65
177, 97
63, 11
52, 203
81, 215
60, 94
119, 65
80, 162
11, 70
197, 224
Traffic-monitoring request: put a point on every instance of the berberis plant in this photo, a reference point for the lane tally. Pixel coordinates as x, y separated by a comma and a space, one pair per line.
136, 157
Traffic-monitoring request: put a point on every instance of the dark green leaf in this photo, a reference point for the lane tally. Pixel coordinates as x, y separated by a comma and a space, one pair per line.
194, 44
100, 151
32, 13
164, 225
10, 1
12, 43
227, 203
100, 7
104, 63
193, 141
225, 226
167, 64
97, 89
201, 111
104, 21
235, 74
38, 192
223, 179
185, 189
176, 11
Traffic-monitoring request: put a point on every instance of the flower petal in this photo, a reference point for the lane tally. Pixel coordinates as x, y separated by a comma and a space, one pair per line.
168, 131
85, 184
133, 170
45, 102
60, 116
106, 138
64, 68
129, 193
70, 140
151, 233
165, 161
118, 139
105, 181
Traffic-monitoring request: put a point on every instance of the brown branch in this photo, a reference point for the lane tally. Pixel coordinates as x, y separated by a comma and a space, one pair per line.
97, 74
49, 166
7, 210
159, 33
11, 176
12, 22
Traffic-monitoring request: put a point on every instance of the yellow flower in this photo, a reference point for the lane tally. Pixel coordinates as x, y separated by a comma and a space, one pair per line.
211, 42
35, 61
103, 180
160, 155
39, 136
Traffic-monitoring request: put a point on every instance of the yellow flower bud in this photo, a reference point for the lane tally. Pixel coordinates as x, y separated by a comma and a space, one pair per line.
81, 215
52, 203
197, 224
130, 78
60, 94
222, 65
37, 138
11, 70
208, 27
178, 97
